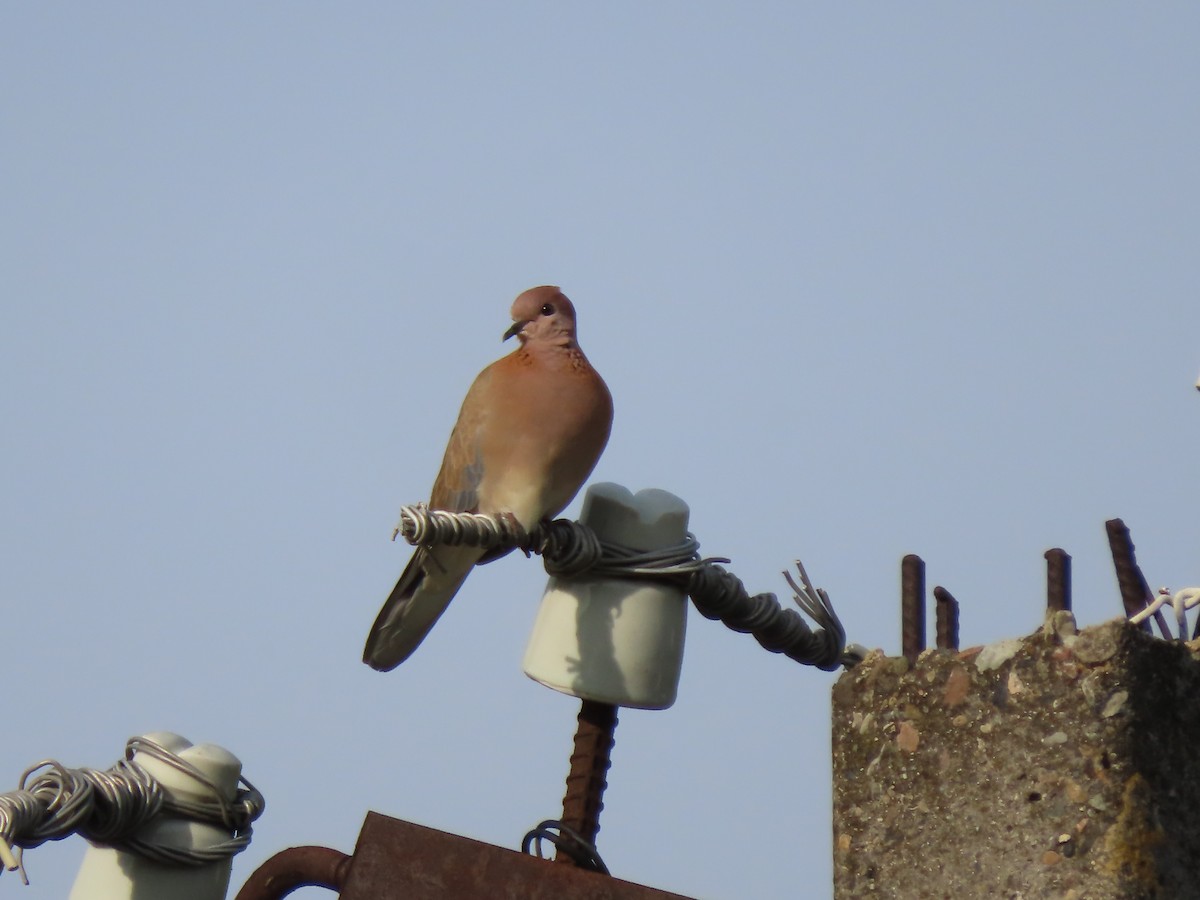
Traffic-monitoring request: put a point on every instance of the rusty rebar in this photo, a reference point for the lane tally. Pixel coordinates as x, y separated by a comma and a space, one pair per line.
1135, 592
295, 868
1058, 580
912, 606
945, 618
587, 778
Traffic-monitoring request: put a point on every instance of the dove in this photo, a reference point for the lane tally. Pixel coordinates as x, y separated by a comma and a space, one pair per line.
529, 433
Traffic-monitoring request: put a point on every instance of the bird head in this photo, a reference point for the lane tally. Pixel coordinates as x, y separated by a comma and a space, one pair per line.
543, 315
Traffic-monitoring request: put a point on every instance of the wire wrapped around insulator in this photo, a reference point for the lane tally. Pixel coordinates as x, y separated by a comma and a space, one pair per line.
570, 549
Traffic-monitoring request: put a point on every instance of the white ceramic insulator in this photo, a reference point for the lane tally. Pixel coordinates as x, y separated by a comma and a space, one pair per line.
108, 874
617, 641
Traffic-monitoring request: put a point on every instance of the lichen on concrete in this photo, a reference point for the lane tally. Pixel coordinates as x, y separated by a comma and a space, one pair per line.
1062, 765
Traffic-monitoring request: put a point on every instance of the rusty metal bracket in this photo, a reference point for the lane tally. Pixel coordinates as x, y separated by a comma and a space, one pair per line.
397, 859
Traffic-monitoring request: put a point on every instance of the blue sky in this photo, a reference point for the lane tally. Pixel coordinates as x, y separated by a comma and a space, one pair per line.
864, 280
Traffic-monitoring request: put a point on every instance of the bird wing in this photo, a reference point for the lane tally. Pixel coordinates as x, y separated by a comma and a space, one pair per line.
434, 574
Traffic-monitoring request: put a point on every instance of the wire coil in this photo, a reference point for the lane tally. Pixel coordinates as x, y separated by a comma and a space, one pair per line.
110, 807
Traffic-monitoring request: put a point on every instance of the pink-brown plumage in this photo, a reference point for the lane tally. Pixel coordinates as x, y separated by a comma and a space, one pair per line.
530, 431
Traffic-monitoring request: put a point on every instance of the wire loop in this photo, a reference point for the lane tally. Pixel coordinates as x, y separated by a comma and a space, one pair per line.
583, 853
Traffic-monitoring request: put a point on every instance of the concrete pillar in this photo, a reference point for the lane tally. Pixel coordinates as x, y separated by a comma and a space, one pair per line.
1060, 765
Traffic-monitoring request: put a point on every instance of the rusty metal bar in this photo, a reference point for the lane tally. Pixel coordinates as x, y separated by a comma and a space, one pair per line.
1058, 580
945, 619
295, 868
587, 778
1135, 592
912, 606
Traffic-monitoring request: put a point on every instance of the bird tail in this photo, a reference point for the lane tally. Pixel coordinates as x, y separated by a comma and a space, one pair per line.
426, 587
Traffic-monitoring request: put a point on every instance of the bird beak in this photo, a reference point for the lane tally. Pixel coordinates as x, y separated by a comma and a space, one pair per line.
516, 329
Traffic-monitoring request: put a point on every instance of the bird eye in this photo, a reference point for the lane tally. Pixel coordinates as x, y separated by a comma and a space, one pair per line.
547, 310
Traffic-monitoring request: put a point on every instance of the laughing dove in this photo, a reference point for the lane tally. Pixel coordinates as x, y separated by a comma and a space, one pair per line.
529, 433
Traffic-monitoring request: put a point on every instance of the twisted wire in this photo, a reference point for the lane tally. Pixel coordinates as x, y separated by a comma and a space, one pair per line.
719, 594
425, 527
570, 549
110, 807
